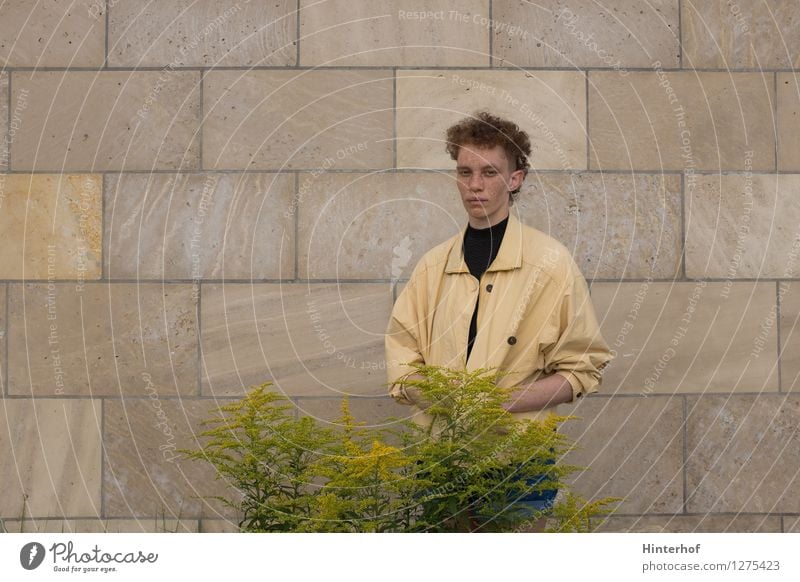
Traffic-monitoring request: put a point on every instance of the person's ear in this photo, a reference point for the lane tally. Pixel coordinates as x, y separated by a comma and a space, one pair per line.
515, 180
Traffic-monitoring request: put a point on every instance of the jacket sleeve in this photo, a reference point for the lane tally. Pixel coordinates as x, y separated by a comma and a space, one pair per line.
580, 352
403, 338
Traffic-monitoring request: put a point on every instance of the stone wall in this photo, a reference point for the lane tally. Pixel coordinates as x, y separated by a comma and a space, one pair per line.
198, 196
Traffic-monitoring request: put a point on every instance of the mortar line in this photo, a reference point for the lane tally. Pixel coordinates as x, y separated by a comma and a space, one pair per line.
6, 331
588, 137
778, 331
776, 135
105, 40
199, 352
491, 37
394, 118
102, 458
683, 226
104, 242
297, 36
202, 115
8, 124
296, 275
685, 453
680, 35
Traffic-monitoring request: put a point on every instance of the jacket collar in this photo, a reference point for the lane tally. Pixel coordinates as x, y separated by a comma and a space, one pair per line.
509, 256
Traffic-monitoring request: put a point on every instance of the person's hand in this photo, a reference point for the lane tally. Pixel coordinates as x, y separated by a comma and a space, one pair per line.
415, 395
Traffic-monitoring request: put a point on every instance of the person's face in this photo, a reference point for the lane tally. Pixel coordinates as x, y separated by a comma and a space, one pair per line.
485, 178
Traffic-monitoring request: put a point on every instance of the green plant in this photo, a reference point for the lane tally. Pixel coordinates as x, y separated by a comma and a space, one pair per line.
456, 474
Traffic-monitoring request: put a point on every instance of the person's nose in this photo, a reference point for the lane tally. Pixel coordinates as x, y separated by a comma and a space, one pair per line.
476, 183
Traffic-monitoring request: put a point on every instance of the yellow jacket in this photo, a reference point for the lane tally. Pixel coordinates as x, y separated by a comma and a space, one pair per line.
535, 316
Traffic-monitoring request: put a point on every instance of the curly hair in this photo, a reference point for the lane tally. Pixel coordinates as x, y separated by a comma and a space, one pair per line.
485, 130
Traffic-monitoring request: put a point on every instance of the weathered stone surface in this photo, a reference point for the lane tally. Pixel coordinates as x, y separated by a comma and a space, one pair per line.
693, 523
405, 33
574, 33
3, 339
681, 121
273, 119
107, 120
689, 336
743, 453
52, 34
549, 105
203, 33
144, 475
315, 339
50, 457
734, 35
219, 526
789, 295
631, 448
232, 226
377, 413
51, 225
371, 226
154, 525
126, 338
788, 97
615, 225
743, 226
5, 136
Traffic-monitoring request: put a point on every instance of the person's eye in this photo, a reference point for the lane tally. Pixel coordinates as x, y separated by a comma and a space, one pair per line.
491, 172
463, 173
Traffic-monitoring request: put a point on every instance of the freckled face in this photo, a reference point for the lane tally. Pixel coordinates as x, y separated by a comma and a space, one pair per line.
485, 179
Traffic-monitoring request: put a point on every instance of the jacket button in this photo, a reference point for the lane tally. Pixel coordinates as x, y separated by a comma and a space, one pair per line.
489, 288
512, 340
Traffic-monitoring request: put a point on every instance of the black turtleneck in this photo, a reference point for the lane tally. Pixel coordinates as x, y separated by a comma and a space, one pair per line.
480, 249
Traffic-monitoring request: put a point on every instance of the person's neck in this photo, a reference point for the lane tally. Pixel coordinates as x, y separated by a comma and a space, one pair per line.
484, 223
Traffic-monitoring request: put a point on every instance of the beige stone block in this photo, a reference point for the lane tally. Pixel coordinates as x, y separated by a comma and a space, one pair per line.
50, 460
154, 525
709, 523
743, 453
145, 475
100, 339
788, 121
3, 328
743, 226
616, 225
789, 298
735, 35
549, 105
688, 336
203, 34
272, 119
309, 339
5, 136
51, 225
52, 34
404, 33
219, 526
232, 226
791, 524
576, 33
107, 120
381, 413
368, 226
681, 121
631, 448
